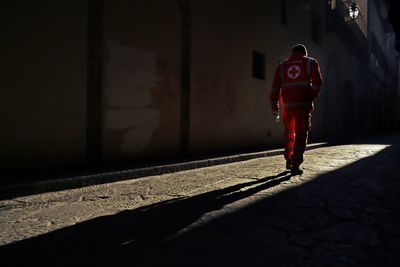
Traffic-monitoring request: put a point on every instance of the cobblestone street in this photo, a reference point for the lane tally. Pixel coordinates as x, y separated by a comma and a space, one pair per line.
343, 211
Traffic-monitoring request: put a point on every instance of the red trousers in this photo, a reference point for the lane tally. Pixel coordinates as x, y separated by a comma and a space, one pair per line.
297, 122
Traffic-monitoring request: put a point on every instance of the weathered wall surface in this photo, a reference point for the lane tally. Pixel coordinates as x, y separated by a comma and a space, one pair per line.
43, 83
228, 106
141, 79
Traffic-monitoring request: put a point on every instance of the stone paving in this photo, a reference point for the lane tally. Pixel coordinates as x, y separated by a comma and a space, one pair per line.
343, 211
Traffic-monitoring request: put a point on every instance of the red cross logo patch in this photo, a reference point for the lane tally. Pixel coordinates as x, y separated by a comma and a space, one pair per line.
293, 72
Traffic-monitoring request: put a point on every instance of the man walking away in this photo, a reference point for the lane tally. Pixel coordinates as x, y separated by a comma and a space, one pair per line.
297, 83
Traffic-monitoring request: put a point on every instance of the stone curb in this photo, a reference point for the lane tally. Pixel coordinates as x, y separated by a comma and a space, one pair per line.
16, 190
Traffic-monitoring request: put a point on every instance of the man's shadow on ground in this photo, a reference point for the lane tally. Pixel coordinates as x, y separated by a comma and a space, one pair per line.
131, 231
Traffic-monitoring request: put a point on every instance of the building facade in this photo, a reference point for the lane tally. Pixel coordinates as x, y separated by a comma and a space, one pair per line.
104, 82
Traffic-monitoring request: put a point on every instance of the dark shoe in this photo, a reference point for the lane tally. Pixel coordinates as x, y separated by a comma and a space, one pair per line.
296, 170
289, 164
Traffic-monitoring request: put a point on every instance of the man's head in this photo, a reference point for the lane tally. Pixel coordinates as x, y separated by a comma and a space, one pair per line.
300, 48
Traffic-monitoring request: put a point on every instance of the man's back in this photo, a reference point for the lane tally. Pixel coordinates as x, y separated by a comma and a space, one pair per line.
295, 77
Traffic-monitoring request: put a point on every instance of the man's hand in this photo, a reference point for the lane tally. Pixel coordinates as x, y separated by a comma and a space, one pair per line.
276, 115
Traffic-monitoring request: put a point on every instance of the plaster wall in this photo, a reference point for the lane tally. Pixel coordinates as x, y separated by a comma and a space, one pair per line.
141, 79
43, 83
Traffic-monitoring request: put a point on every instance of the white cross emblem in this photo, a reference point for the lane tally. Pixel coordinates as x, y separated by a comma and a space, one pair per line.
293, 72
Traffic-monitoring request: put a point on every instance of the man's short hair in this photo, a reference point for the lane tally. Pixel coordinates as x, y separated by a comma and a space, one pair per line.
300, 48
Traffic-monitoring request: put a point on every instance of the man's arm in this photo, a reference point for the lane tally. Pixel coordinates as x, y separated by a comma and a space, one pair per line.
316, 79
276, 88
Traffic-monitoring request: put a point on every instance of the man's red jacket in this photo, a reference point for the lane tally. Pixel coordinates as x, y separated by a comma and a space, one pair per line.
297, 82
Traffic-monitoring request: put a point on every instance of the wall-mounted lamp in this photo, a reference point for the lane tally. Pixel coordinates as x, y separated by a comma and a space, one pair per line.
354, 10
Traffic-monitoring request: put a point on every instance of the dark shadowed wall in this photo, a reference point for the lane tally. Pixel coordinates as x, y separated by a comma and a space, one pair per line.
159, 57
